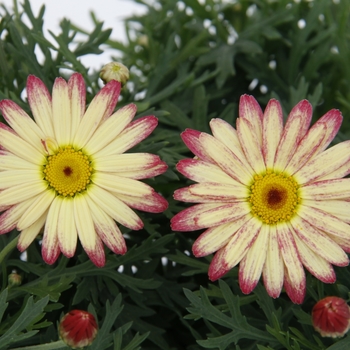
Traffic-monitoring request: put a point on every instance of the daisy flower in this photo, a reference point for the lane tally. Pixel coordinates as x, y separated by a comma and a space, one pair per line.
271, 197
66, 170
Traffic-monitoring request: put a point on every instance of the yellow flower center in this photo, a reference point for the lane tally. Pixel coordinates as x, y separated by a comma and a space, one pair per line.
68, 171
274, 197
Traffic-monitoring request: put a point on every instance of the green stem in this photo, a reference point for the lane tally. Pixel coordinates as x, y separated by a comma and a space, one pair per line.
8, 249
49, 346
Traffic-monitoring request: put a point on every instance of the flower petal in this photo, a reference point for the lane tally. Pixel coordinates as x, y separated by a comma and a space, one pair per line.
22, 124
251, 266
37, 208
133, 134
77, 98
19, 147
326, 190
334, 157
152, 203
61, 114
315, 264
101, 106
296, 127
50, 249
11, 178
272, 131
111, 128
273, 270
40, 103
114, 207
250, 145
107, 229
208, 215
218, 191
319, 242
294, 278
200, 171
28, 235
191, 139
9, 161
184, 194
140, 174
215, 238
217, 267
89, 239
66, 231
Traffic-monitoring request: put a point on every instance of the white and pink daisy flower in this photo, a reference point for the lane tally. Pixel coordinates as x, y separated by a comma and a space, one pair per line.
272, 198
66, 170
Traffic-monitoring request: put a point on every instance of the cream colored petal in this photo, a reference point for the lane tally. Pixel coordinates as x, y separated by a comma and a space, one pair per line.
326, 190
50, 248
295, 281
297, 124
252, 264
12, 178
307, 148
342, 171
319, 242
114, 207
61, 113
111, 128
77, 98
315, 264
9, 161
123, 185
219, 191
272, 131
28, 235
22, 192
89, 239
200, 171
185, 195
133, 134
19, 147
66, 231
217, 267
225, 159
250, 145
241, 242
324, 163
323, 221
140, 174
215, 238
36, 210
273, 270
100, 107
343, 242
23, 125
337, 208
107, 229
40, 103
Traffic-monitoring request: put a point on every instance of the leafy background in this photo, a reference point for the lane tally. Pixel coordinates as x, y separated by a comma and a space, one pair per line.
190, 61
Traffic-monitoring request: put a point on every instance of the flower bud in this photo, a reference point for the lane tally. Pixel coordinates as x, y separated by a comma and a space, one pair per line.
331, 317
114, 71
78, 329
14, 279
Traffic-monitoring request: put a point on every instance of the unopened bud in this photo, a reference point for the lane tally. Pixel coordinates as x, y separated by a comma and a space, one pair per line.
78, 329
14, 279
114, 71
331, 317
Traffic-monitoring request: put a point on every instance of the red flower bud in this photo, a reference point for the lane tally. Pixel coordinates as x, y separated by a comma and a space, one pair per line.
78, 328
331, 317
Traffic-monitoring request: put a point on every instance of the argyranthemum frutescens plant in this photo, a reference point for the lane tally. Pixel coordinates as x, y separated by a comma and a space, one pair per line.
273, 199
66, 170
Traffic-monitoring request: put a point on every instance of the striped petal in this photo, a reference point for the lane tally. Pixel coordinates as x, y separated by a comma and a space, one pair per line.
61, 113
294, 279
89, 239
107, 229
151, 203
40, 103
215, 238
191, 140
133, 134
326, 190
252, 264
114, 207
101, 106
218, 191
217, 267
184, 194
111, 128
67, 231
208, 215
272, 131
140, 174
296, 127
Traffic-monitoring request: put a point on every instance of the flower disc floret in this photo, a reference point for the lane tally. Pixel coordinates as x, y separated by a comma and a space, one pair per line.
68, 171
274, 197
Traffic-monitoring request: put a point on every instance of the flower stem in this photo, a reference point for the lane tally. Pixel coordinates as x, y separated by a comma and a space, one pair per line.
8, 248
